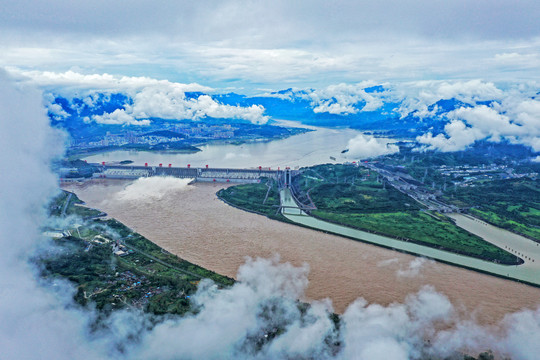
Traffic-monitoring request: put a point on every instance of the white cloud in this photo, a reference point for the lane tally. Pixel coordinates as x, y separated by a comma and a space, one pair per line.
119, 117
515, 59
366, 146
57, 112
521, 335
262, 302
514, 119
37, 319
514, 115
414, 268
336, 108
469, 92
396, 332
458, 137
344, 99
487, 121
171, 103
419, 95
71, 82
151, 98
258, 318
303, 44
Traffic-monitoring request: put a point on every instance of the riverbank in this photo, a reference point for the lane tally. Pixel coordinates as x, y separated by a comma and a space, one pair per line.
195, 225
305, 149
524, 273
74, 154
113, 267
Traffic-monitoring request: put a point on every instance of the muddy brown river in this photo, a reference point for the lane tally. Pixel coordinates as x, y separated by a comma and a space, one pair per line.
194, 224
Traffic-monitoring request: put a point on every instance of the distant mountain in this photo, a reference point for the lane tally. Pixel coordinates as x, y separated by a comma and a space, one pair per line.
79, 111
306, 106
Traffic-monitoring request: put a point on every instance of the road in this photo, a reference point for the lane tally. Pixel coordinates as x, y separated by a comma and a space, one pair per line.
66, 204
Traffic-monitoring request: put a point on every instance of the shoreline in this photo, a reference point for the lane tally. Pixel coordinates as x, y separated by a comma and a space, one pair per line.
196, 225
525, 274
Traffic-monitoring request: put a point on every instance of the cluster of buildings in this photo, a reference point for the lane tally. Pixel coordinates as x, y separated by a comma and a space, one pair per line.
184, 130
224, 131
464, 175
119, 249
132, 281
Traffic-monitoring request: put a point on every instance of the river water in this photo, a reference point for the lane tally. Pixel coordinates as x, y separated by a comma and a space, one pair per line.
192, 223
311, 148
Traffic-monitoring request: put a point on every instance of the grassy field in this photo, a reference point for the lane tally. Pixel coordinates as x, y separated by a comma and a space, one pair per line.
361, 197
262, 198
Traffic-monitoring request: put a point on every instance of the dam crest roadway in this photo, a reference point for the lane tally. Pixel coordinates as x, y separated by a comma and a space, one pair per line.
201, 174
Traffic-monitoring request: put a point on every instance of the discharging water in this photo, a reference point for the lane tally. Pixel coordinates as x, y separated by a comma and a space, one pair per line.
198, 227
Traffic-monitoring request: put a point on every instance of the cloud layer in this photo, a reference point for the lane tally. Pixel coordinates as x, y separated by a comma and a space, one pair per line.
151, 98
466, 111
257, 318
461, 112
487, 113
344, 99
37, 320
233, 43
367, 146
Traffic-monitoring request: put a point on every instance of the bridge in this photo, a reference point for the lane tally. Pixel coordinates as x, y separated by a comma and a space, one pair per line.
201, 174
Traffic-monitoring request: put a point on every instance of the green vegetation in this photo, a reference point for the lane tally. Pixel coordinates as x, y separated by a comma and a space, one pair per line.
360, 202
142, 245
57, 204
421, 228
352, 196
145, 276
262, 198
513, 204
150, 278
508, 203
364, 197
75, 206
